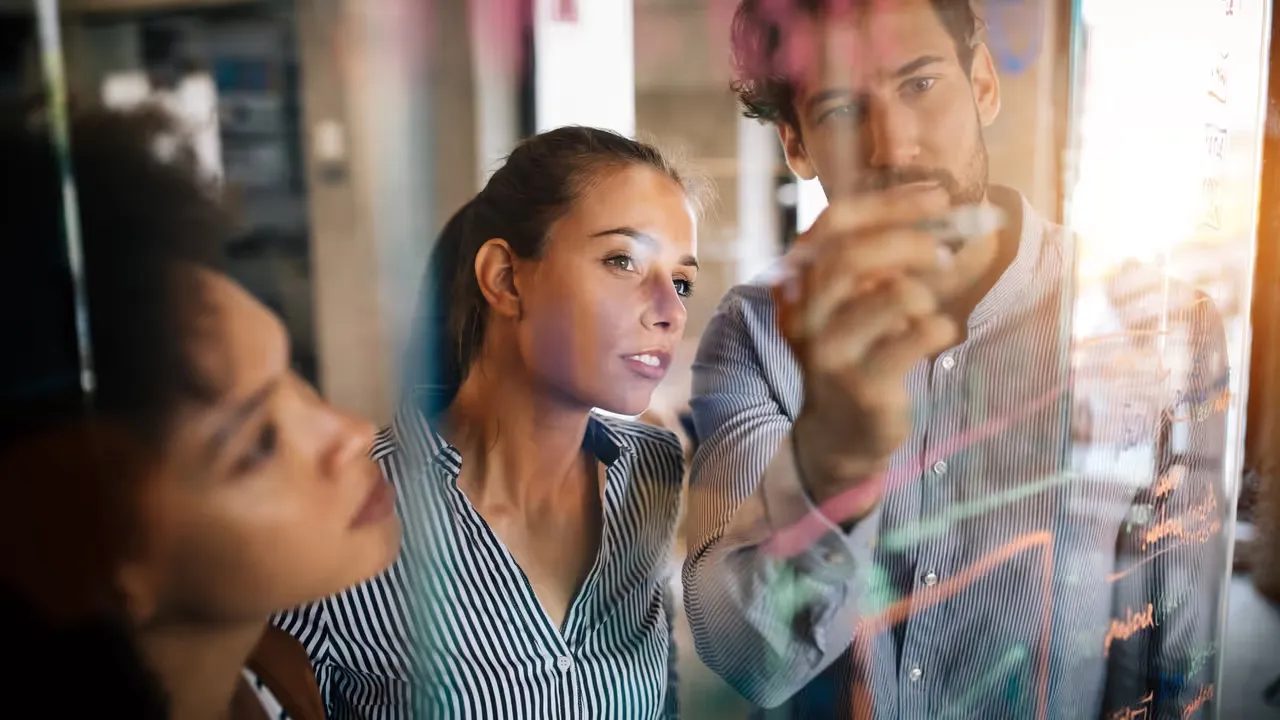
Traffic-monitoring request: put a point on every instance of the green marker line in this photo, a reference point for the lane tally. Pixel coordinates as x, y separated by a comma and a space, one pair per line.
915, 533
1017, 655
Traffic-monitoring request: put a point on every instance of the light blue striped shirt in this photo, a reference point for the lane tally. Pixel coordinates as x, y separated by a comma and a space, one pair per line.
1011, 570
453, 628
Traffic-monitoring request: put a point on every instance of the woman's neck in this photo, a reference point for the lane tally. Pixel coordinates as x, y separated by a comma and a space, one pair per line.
521, 446
200, 667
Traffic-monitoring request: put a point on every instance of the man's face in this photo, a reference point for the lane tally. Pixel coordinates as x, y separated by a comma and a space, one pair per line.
884, 100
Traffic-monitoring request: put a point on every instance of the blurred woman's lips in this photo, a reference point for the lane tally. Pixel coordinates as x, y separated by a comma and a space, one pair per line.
650, 364
378, 505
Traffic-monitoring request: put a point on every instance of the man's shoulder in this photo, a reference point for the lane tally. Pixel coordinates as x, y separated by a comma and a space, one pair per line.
749, 307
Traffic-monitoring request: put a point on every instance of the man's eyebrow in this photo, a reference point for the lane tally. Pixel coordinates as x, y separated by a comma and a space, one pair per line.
907, 70
687, 260
238, 416
916, 65
819, 98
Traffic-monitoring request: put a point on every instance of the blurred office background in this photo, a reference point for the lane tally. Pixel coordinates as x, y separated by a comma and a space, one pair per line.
347, 131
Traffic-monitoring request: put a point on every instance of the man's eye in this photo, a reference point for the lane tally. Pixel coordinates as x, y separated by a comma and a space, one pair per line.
684, 288
919, 85
621, 262
837, 113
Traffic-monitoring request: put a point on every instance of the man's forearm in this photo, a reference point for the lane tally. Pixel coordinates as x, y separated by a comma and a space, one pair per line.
772, 598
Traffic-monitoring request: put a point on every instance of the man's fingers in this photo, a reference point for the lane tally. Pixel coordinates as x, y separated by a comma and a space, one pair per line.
852, 325
886, 252
890, 360
876, 210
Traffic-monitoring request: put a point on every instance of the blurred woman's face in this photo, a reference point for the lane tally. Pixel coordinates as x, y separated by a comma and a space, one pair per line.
265, 497
603, 307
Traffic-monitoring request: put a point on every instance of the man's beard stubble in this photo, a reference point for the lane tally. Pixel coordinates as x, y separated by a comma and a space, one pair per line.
971, 193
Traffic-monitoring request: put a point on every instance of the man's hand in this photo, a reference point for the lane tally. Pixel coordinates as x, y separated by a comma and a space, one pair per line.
858, 316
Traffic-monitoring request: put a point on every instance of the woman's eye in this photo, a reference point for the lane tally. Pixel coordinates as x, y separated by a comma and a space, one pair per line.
264, 446
621, 262
684, 288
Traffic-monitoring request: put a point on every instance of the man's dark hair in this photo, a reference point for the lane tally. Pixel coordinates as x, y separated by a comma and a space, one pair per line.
762, 28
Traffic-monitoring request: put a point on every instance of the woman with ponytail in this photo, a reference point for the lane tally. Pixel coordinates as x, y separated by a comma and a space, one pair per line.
556, 291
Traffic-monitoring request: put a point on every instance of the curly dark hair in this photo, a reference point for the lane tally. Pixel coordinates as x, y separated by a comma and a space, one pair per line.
760, 30
69, 464
140, 212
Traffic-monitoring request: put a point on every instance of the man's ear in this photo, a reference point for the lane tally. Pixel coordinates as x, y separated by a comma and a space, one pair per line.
986, 85
495, 273
796, 154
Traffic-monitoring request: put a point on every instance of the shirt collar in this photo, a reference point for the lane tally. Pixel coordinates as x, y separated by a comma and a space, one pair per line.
421, 443
1021, 275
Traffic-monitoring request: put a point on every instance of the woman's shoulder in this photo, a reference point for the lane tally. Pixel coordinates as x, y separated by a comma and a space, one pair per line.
654, 445
280, 665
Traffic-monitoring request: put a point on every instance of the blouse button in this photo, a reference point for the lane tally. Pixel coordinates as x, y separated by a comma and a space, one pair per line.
564, 664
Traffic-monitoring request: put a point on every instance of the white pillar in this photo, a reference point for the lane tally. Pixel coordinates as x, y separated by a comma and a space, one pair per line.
496, 56
810, 202
757, 238
584, 64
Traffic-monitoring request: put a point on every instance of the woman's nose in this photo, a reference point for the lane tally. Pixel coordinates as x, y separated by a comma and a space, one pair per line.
352, 438
666, 308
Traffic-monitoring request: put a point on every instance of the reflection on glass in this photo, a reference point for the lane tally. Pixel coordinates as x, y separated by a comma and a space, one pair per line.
1169, 137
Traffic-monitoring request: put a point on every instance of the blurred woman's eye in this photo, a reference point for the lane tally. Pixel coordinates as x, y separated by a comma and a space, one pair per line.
684, 288
622, 261
264, 446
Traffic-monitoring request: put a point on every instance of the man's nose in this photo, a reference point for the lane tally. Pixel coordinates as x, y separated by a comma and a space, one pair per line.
890, 134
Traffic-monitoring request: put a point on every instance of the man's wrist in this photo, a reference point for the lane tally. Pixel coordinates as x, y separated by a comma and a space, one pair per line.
824, 475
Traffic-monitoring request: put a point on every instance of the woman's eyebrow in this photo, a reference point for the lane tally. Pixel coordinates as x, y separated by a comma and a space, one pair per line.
238, 416
645, 238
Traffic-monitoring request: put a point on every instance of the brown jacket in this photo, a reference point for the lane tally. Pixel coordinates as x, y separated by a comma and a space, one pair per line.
283, 666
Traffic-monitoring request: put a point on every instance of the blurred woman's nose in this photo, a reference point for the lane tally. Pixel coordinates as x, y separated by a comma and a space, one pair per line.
665, 309
351, 438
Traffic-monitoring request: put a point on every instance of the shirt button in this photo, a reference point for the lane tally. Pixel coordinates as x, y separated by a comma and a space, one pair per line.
564, 664
948, 362
915, 674
930, 579
940, 468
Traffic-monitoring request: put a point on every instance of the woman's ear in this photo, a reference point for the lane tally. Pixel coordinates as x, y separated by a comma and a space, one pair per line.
495, 273
136, 582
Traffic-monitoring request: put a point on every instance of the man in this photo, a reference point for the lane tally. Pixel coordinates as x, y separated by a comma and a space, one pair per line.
888, 517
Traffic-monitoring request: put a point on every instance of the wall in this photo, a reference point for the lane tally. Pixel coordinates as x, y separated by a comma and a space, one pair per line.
396, 86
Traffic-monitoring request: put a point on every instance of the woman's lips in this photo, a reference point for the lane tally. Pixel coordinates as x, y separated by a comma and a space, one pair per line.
378, 505
650, 364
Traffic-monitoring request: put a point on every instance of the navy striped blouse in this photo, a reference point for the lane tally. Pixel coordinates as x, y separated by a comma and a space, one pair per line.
453, 628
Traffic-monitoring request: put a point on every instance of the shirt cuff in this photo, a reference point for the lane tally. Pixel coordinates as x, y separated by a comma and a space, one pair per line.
830, 553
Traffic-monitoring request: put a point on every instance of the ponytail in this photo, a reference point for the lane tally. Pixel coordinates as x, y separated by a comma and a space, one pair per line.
435, 362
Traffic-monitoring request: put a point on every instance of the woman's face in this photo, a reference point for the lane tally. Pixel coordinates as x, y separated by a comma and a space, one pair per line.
266, 496
603, 308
